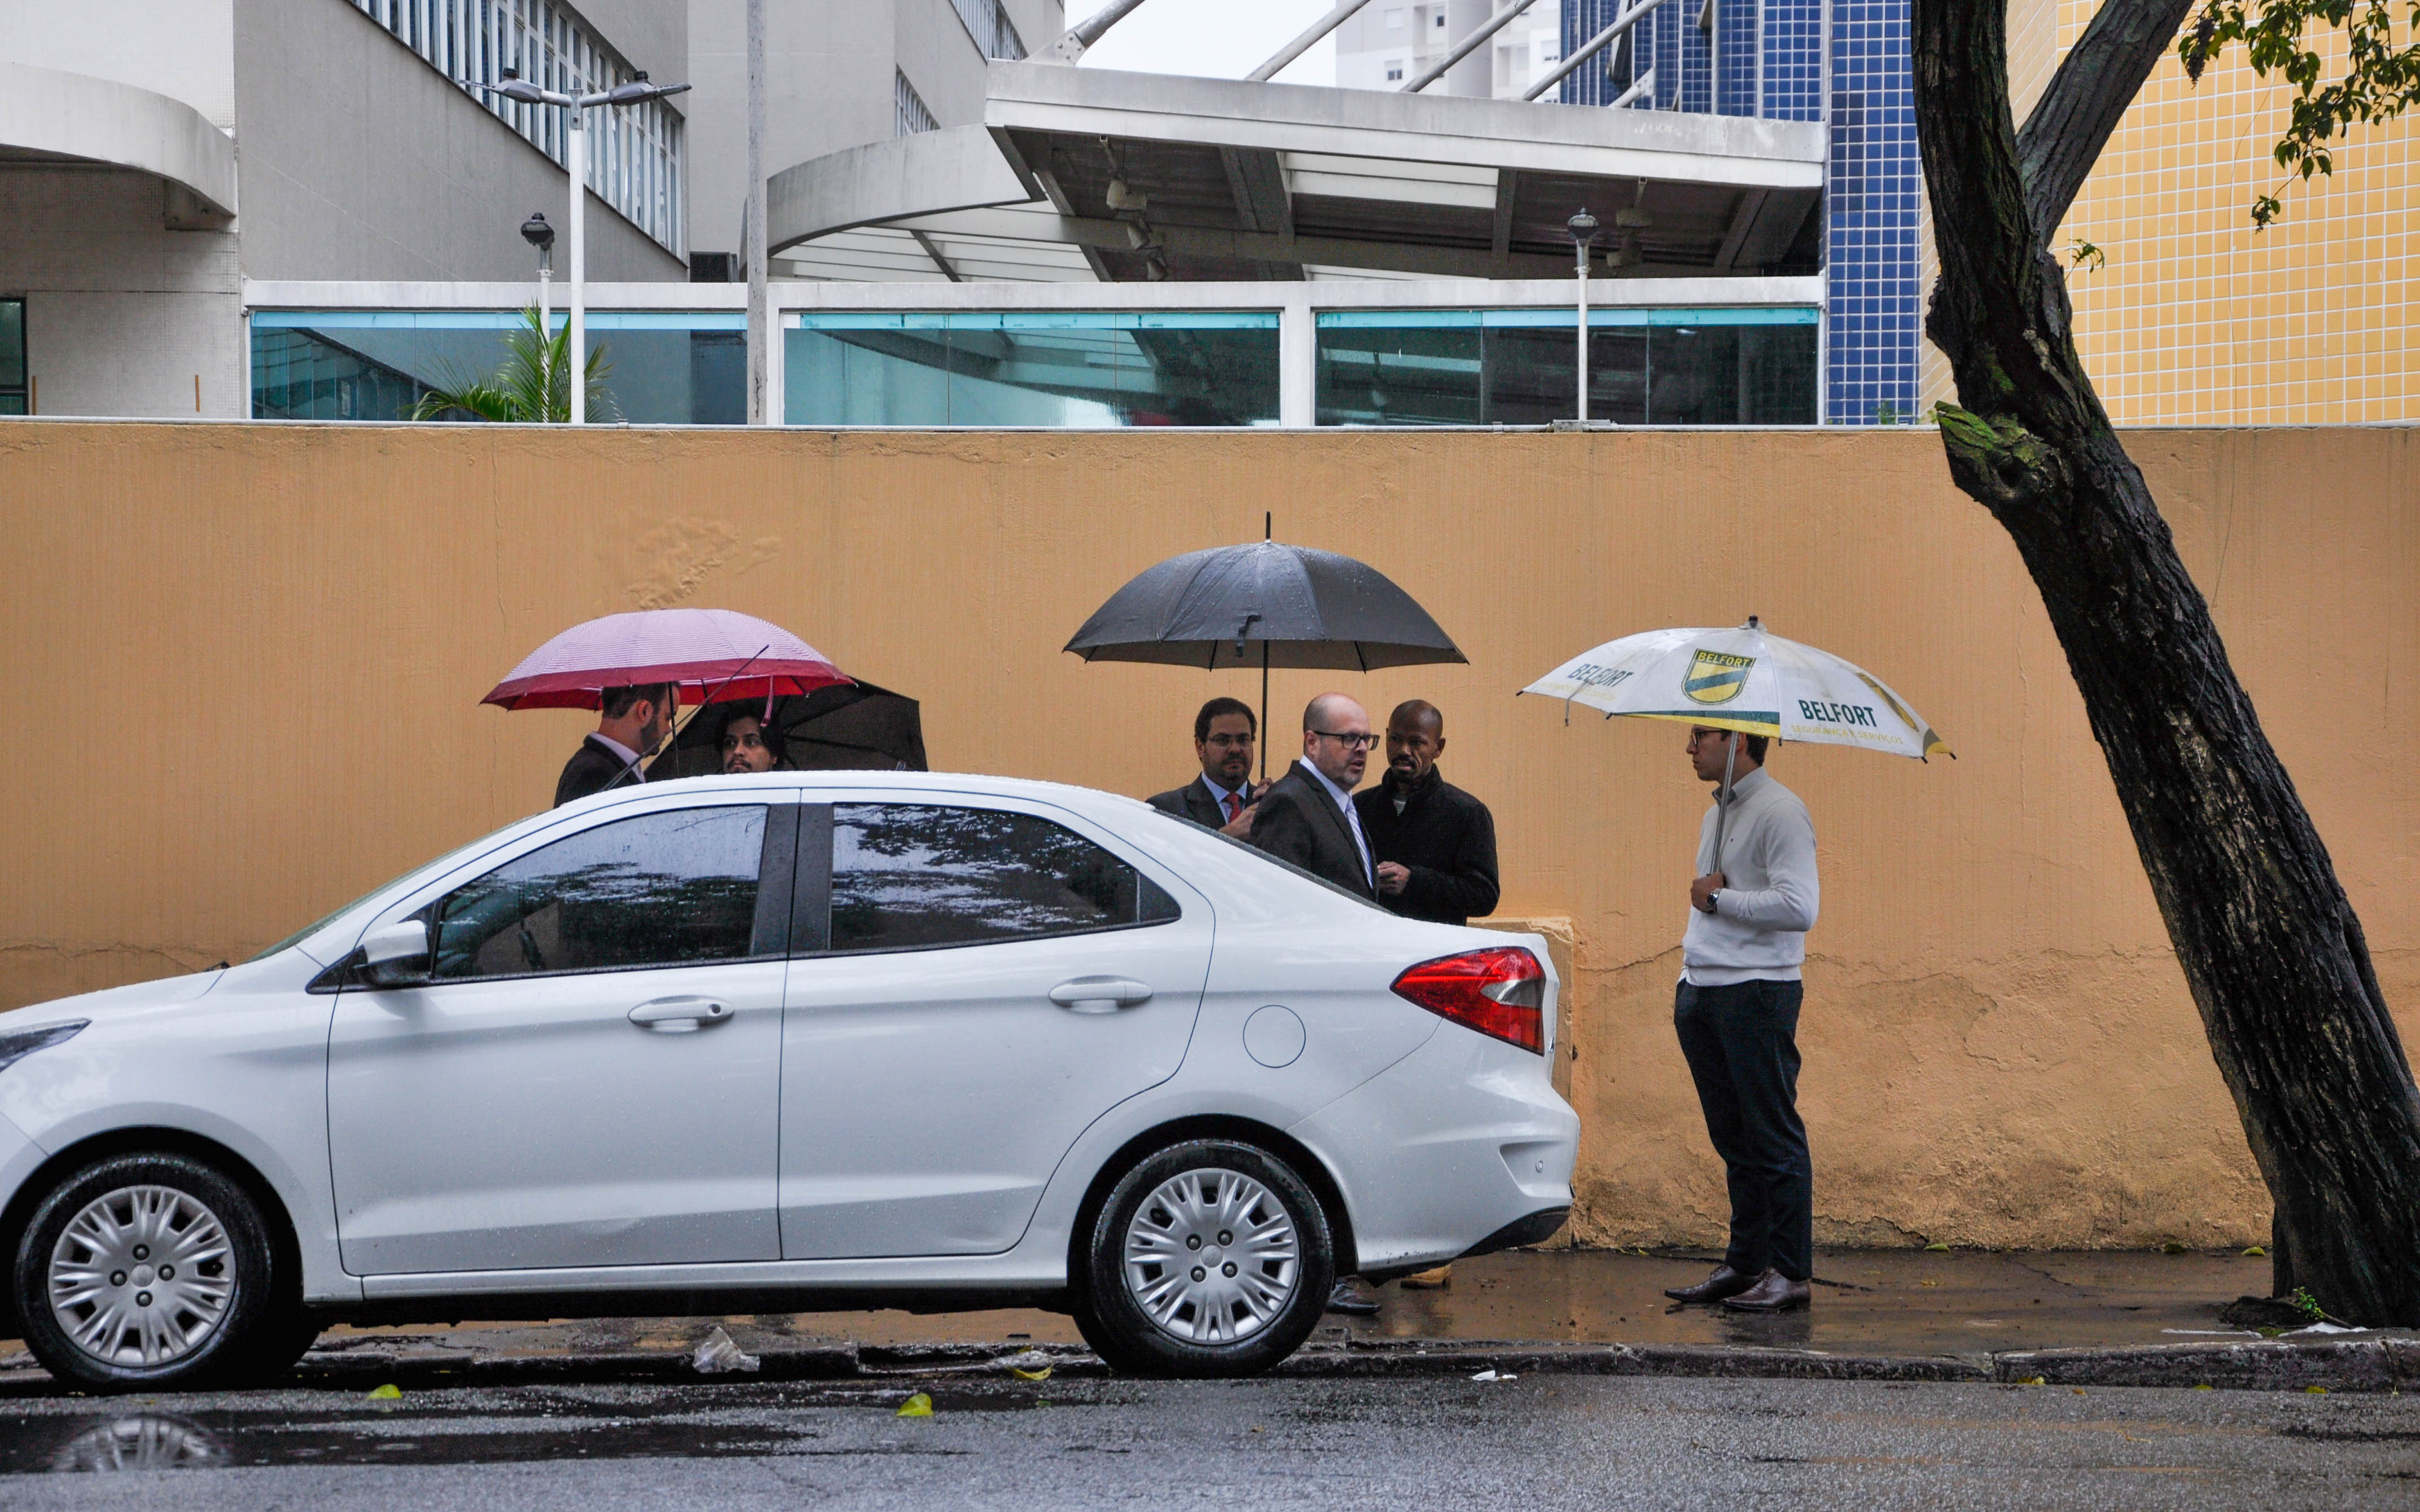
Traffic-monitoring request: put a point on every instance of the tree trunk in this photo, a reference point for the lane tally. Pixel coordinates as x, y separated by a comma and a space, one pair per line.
2268, 945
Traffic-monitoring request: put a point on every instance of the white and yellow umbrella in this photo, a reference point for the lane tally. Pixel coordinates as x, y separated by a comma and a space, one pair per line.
1746, 680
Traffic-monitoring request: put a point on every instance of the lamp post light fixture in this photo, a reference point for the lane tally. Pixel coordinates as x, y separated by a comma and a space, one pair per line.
539, 235
637, 92
1583, 229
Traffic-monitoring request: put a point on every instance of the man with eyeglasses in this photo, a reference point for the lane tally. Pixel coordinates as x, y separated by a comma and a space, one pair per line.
1222, 797
1736, 1012
1306, 816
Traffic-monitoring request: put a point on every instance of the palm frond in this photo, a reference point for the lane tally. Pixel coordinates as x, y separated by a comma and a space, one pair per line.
531, 387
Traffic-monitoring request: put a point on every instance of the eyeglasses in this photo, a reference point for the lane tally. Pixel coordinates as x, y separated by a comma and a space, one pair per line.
1355, 742
1228, 742
1697, 735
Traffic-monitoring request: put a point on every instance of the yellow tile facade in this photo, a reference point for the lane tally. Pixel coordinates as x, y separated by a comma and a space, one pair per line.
2195, 318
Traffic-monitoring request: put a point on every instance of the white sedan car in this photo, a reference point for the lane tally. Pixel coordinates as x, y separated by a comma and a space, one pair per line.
781, 1043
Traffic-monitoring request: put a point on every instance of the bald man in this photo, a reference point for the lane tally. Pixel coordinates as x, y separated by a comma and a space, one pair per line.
1306, 816
1436, 844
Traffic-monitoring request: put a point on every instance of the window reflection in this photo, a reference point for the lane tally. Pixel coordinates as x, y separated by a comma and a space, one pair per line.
911, 875
659, 889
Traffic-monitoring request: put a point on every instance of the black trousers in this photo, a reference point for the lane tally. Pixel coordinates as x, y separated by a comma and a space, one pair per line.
1742, 1043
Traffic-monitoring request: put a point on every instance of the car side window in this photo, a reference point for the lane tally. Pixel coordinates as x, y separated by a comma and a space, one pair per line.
914, 876
658, 889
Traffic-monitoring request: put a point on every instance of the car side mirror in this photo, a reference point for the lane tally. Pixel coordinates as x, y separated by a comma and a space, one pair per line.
397, 955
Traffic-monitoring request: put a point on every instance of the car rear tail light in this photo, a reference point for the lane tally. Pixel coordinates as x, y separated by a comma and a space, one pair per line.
1500, 992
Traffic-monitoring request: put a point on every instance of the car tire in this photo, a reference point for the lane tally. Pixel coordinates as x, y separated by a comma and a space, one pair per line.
145, 1272
1210, 1257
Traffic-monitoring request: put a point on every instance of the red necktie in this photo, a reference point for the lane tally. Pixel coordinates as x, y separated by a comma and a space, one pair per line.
1234, 807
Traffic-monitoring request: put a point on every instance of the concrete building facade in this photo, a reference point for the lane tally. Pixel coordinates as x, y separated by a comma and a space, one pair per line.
153, 154
836, 75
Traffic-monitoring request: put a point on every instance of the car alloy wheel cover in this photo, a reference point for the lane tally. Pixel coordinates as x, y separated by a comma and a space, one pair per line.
1212, 1257
142, 1277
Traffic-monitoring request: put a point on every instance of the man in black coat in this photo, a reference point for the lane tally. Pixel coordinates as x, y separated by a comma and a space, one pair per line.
1436, 843
1306, 816
631, 721
1221, 797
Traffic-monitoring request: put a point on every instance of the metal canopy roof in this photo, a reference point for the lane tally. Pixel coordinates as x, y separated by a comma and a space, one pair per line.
1082, 173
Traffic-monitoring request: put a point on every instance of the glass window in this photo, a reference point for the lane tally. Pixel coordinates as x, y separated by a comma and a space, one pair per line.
1073, 368
683, 367
1516, 367
914, 116
658, 889
13, 396
907, 875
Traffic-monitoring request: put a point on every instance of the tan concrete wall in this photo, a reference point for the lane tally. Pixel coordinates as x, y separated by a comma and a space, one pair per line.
247, 660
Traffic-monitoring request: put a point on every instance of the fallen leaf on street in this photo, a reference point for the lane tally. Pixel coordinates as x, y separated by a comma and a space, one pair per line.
919, 1405
386, 1393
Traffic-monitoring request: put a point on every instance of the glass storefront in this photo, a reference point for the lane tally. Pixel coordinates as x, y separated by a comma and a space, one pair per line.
686, 367
1516, 367
1067, 368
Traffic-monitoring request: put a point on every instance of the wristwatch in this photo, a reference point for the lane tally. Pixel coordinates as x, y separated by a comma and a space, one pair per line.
1711, 899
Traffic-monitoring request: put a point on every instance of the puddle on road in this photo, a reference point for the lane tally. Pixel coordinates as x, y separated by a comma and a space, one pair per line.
552, 1427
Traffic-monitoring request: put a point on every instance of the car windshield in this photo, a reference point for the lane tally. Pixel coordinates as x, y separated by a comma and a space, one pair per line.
335, 914
1250, 849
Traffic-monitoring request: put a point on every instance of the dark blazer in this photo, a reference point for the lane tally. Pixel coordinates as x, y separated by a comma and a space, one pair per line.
1444, 836
592, 768
1193, 801
1298, 822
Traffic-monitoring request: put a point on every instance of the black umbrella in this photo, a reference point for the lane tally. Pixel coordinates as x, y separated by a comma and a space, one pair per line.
851, 726
1265, 604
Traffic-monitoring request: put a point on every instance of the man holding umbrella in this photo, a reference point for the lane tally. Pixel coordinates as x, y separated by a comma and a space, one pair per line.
631, 724
1754, 899
1736, 1012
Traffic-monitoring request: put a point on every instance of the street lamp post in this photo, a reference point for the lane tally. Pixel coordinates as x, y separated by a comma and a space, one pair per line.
539, 235
637, 91
1583, 229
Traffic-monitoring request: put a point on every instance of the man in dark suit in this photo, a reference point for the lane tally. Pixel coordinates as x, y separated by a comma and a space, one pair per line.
1221, 797
630, 722
1306, 816
1436, 843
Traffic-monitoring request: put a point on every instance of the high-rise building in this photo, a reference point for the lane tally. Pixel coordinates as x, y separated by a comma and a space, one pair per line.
1390, 43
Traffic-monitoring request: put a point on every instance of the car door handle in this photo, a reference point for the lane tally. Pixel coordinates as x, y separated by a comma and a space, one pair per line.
698, 1010
1100, 994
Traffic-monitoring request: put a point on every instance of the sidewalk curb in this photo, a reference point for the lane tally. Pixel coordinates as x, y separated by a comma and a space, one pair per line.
2353, 1365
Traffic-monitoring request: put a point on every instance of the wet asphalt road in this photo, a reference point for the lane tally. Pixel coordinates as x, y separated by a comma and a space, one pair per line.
1551, 1441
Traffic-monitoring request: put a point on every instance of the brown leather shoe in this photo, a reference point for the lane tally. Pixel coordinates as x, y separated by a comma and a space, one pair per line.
1725, 1282
1773, 1294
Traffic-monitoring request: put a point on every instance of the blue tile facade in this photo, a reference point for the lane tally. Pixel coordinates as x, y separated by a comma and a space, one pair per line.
1766, 58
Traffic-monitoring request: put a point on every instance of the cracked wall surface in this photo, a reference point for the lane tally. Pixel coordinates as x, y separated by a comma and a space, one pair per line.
279, 634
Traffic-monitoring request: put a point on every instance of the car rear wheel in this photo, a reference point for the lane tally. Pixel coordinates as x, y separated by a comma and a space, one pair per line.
1211, 1258
150, 1271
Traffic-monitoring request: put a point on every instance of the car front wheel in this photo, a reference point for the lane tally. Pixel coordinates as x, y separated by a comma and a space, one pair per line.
1211, 1258
147, 1272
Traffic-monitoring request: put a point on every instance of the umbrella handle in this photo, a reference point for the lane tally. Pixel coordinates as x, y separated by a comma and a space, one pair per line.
1723, 798
672, 732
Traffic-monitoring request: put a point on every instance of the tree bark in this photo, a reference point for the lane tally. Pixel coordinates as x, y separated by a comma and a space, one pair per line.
2268, 945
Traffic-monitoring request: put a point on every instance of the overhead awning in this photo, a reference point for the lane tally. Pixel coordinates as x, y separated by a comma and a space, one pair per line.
49, 114
1129, 177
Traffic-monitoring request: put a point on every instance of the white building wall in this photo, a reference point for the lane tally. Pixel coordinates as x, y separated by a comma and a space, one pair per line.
123, 316
828, 70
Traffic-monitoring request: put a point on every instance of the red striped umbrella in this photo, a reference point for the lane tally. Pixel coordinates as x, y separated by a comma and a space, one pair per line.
715, 654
